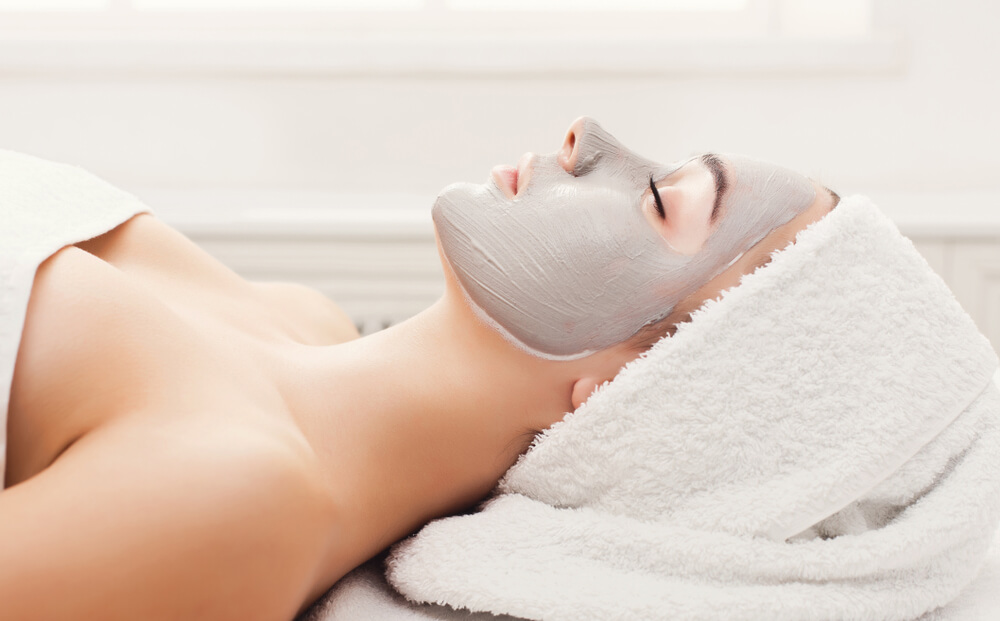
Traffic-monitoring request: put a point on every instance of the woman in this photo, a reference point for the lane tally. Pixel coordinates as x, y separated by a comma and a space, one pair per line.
185, 444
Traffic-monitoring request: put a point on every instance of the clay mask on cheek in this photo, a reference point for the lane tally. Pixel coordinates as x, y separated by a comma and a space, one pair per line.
571, 265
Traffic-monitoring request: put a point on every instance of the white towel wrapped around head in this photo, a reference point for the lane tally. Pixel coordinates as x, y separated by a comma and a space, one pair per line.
822, 442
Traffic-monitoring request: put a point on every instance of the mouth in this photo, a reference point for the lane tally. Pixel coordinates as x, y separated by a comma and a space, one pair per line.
505, 177
513, 179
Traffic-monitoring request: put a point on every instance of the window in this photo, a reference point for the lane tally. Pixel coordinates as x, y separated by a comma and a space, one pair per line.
53, 5
481, 36
272, 5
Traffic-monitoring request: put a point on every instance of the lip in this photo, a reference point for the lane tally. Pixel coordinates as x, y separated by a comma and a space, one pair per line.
513, 179
524, 169
506, 178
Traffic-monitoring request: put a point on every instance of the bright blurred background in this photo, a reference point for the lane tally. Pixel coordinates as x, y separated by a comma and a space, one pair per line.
306, 139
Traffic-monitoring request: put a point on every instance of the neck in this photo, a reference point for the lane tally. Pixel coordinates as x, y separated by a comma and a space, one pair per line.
420, 420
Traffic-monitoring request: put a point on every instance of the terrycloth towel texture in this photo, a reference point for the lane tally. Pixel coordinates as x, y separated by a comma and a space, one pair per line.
821, 443
365, 594
43, 206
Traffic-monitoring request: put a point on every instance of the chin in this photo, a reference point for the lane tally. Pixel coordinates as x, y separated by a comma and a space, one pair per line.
450, 280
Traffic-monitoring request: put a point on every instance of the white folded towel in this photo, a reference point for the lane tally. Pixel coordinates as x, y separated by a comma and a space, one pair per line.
823, 442
44, 206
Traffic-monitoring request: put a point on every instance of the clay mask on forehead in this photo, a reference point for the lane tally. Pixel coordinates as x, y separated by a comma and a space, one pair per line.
571, 266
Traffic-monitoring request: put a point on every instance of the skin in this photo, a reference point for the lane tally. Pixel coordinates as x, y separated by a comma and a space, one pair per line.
183, 443
569, 265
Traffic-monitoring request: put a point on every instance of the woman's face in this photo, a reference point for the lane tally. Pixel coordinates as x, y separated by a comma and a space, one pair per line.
575, 251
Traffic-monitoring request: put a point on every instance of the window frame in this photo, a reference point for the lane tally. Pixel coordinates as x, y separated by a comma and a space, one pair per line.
432, 41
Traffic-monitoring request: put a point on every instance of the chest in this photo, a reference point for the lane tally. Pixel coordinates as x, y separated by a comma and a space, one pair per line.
141, 321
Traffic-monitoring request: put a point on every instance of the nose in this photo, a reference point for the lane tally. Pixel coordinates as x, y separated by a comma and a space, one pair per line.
570, 150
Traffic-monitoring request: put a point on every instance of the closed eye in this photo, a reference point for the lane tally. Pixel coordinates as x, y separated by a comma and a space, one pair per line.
714, 164
656, 197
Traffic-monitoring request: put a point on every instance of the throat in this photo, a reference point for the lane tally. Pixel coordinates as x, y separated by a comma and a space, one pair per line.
416, 422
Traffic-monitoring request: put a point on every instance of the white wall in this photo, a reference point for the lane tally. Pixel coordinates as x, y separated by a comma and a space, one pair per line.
930, 126
211, 153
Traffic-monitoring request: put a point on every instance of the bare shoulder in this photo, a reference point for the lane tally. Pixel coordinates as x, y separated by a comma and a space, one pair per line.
318, 318
160, 520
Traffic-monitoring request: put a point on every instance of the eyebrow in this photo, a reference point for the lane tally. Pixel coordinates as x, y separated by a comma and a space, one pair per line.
714, 164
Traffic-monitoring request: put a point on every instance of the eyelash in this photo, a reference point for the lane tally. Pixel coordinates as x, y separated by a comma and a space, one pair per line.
657, 199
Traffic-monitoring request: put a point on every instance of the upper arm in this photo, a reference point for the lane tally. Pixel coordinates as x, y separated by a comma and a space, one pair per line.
156, 525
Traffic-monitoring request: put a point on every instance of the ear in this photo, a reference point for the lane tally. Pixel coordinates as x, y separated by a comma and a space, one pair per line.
583, 388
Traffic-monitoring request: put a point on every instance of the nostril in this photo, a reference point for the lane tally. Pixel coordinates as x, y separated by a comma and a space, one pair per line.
567, 154
570, 152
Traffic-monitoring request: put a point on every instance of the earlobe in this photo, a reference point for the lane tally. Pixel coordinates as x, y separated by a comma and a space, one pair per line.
583, 388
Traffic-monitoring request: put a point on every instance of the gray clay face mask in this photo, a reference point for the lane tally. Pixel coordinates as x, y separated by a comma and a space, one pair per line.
571, 265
